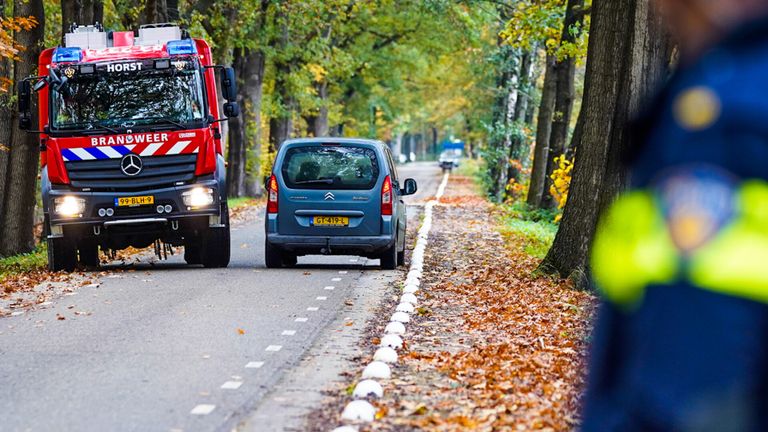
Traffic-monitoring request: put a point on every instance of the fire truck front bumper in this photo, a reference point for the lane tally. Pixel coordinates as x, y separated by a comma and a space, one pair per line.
171, 206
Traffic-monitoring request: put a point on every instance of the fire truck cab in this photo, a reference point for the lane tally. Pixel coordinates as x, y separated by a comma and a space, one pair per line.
130, 142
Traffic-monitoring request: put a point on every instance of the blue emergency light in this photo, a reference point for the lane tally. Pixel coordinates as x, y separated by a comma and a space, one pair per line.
67, 54
184, 46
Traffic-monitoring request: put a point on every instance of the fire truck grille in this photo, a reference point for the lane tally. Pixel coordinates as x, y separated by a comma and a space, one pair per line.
157, 172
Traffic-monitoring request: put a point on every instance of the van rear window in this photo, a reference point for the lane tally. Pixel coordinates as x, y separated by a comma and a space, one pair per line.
330, 167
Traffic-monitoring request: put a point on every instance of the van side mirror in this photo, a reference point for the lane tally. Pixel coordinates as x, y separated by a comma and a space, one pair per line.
410, 187
228, 84
25, 105
231, 109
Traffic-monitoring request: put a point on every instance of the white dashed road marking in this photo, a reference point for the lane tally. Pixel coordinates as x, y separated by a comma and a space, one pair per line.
330, 288
274, 348
301, 319
321, 298
288, 332
203, 409
231, 385
335, 279
343, 272
254, 365
313, 309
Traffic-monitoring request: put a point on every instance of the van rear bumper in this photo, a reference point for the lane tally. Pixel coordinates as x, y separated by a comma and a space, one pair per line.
339, 245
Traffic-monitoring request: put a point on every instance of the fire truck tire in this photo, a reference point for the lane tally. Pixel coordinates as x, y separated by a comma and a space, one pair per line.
192, 252
89, 255
216, 243
62, 254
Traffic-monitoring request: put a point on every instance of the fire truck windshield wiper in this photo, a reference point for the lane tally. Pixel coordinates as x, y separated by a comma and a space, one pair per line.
164, 121
91, 128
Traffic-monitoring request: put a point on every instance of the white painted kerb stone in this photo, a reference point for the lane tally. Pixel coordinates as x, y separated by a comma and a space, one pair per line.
386, 355
392, 341
395, 327
368, 387
400, 317
359, 410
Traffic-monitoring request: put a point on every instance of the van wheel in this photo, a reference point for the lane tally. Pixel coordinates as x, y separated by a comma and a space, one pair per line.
401, 256
89, 255
389, 257
216, 243
273, 257
62, 253
290, 260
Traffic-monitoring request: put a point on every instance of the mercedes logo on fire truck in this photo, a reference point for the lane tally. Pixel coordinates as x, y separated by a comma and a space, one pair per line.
131, 165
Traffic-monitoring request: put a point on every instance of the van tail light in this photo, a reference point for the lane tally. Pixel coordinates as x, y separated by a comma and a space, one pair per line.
386, 197
272, 194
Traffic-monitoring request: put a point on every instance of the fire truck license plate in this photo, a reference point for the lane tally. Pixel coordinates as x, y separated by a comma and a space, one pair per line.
134, 201
331, 221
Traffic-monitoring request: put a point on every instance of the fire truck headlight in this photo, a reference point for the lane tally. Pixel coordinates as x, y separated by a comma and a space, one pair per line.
69, 206
198, 197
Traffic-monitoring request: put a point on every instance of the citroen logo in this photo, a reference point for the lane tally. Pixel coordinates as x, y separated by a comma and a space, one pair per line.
131, 165
330, 196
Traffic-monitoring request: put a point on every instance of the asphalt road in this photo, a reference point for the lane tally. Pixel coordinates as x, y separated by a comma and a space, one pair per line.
166, 347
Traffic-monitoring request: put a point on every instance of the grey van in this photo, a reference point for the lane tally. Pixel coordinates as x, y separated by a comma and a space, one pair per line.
335, 196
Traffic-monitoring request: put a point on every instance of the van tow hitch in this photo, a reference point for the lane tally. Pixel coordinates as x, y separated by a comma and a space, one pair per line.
327, 249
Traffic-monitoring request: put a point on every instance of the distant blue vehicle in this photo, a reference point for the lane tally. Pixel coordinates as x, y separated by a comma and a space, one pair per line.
335, 196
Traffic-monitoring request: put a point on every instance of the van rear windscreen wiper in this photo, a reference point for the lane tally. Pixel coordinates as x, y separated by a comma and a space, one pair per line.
318, 181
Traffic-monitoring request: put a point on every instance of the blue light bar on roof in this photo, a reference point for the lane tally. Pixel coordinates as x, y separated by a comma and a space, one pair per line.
67, 54
184, 46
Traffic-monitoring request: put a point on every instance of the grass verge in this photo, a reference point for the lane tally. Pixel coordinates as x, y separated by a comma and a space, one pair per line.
24, 263
535, 227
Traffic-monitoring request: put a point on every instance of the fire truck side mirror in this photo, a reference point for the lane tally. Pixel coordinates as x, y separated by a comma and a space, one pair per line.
25, 105
231, 109
228, 84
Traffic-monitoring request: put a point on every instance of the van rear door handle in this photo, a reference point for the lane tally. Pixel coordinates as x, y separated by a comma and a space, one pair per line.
349, 213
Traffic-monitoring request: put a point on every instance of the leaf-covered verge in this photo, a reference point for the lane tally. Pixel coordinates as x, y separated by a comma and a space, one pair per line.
25, 280
491, 347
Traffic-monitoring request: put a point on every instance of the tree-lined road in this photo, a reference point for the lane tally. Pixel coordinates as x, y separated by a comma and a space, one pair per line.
151, 345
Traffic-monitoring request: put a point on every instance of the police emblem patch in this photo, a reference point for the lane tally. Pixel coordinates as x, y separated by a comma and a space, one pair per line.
697, 203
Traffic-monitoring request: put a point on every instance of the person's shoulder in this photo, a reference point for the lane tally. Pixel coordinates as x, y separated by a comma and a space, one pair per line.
728, 87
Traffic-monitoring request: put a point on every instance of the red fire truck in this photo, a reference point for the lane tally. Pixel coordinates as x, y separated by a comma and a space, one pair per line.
131, 145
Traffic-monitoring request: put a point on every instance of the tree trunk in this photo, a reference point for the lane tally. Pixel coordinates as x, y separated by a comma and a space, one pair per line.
80, 12
236, 137
500, 140
155, 11
172, 10
536, 189
6, 124
618, 78
244, 131
253, 93
19, 209
321, 120
518, 143
565, 69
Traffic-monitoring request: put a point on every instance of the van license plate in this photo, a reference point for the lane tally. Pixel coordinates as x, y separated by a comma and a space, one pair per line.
134, 201
330, 221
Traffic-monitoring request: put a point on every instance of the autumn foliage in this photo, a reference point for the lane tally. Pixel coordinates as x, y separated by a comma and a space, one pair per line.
493, 347
9, 48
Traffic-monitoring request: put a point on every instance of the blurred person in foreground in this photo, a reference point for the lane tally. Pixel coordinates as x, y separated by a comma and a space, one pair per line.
681, 340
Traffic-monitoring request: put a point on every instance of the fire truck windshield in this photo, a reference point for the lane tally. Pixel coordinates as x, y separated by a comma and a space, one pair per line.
128, 99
